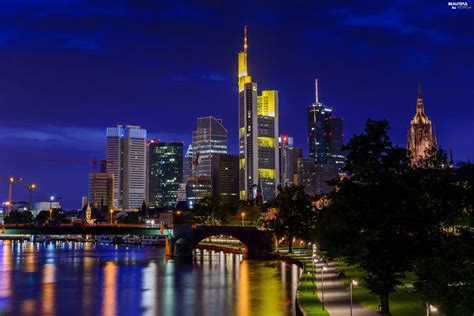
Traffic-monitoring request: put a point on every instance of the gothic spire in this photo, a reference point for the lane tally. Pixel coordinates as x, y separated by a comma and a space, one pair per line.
419, 102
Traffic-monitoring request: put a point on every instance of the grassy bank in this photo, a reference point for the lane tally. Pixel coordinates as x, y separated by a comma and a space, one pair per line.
402, 302
307, 289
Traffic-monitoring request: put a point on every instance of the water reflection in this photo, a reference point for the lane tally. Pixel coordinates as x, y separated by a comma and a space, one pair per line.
85, 279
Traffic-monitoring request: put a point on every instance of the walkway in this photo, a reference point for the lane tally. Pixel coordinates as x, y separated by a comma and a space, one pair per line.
337, 300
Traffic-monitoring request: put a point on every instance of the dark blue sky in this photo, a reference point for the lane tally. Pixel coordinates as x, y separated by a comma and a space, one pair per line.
70, 68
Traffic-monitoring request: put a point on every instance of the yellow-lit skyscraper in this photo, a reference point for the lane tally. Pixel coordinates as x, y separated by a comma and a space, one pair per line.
258, 135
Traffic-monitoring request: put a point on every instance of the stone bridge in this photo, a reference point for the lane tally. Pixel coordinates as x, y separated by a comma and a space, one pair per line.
258, 243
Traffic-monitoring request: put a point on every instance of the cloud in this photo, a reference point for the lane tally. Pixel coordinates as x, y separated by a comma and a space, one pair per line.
84, 138
50, 135
213, 76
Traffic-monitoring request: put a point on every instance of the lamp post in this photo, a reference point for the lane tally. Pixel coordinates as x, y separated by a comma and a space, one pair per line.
353, 283
430, 308
51, 199
30, 188
243, 216
323, 268
111, 216
313, 260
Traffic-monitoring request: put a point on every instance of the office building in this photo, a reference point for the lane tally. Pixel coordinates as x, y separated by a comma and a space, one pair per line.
165, 173
225, 177
126, 160
188, 163
258, 133
421, 135
286, 160
297, 152
103, 185
197, 188
209, 138
268, 152
305, 175
325, 133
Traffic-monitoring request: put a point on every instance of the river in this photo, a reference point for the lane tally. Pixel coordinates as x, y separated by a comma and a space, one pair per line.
60, 278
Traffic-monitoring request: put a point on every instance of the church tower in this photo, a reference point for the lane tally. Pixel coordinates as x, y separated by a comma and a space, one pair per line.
421, 134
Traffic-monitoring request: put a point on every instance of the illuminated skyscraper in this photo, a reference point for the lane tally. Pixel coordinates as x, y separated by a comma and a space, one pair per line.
325, 137
258, 134
126, 157
165, 173
421, 135
188, 163
209, 138
325, 133
286, 159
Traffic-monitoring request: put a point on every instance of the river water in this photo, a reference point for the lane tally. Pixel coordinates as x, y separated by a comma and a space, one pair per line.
61, 278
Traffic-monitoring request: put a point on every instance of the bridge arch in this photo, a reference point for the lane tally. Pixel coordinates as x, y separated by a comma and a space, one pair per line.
258, 243
241, 244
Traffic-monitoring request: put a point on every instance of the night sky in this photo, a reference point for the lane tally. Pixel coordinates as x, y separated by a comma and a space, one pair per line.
70, 68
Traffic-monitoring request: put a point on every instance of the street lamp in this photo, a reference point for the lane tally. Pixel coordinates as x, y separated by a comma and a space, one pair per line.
30, 188
111, 216
243, 216
51, 199
323, 268
430, 308
353, 283
313, 259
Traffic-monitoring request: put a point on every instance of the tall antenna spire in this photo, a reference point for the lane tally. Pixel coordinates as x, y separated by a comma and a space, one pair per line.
419, 90
245, 38
316, 91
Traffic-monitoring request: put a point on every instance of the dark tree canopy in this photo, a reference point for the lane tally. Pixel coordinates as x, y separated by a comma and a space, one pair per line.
19, 217
295, 215
365, 221
389, 216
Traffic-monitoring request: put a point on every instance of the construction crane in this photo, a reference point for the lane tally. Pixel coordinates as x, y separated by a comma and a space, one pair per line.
93, 163
10, 180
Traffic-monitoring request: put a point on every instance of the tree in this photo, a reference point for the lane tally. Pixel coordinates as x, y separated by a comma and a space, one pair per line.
251, 212
367, 221
56, 215
19, 217
445, 271
446, 278
295, 214
207, 210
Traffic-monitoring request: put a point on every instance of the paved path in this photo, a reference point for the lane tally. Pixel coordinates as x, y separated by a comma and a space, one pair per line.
337, 298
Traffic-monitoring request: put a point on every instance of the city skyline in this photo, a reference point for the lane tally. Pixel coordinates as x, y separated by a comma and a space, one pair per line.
359, 92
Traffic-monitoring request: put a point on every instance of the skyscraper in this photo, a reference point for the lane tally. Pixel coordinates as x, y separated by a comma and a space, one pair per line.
126, 158
258, 133
286, 159
325, 133
305, 174
268, 153
188, 163
225, 177
421, 135
209, 138
325, 137
165, 173
104, 190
